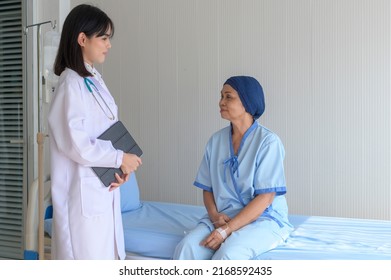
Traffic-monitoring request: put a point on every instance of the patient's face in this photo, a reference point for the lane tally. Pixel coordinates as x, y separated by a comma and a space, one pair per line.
231, 107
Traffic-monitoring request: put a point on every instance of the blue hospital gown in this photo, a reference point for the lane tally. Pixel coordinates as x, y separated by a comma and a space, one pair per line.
234, 181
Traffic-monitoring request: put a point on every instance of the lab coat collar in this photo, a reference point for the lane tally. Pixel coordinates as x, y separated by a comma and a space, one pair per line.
92, 70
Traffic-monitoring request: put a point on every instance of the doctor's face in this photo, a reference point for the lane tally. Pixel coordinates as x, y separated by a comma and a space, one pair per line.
94, 49
231, 107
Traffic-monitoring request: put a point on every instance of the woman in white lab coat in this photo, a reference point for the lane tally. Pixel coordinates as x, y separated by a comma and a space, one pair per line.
87, 220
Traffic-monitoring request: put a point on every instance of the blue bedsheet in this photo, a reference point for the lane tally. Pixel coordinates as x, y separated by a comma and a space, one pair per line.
331, 238
154, 229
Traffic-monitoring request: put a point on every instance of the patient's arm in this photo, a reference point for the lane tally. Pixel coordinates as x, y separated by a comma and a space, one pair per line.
218, 219
251, 211
247, 215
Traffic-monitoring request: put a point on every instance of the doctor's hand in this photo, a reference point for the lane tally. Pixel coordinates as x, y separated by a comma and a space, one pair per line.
120, 180
130, 163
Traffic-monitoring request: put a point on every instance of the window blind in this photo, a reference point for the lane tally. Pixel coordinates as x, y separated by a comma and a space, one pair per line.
11, 130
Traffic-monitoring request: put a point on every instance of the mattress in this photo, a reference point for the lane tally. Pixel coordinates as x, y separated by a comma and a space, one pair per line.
332, 238
153, 230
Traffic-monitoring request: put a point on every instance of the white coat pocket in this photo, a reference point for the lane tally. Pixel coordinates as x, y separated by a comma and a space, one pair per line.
96, 199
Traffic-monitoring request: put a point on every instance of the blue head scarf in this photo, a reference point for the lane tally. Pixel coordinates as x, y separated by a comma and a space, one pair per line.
250, 93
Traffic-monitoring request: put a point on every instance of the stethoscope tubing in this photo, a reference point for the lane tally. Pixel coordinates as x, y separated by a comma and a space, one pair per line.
90, 83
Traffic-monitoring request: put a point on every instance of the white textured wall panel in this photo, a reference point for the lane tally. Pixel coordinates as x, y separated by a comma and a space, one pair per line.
324, 103
325, 69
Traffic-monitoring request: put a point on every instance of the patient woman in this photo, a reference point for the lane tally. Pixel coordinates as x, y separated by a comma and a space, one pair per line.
243, 183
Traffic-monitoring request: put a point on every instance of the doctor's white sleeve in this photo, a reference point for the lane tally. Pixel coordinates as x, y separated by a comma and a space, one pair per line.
67, 124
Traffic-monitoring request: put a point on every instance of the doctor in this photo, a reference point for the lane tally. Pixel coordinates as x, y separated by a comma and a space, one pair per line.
87, 220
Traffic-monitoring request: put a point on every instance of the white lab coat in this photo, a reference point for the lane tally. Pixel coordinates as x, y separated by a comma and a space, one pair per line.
87, 221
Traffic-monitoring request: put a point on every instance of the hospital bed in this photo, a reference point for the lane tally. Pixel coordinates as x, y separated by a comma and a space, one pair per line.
152, 230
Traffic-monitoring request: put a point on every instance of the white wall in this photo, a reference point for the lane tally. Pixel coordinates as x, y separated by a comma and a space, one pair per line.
325, 69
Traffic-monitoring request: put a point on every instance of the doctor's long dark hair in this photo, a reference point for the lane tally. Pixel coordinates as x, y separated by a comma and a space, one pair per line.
83, 18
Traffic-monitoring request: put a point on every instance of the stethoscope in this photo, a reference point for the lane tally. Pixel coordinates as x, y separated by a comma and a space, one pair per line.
90, 83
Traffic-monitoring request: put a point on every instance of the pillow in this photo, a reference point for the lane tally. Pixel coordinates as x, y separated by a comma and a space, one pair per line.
130, 194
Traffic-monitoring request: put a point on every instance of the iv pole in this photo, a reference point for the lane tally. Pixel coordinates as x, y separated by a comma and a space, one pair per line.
40, 140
